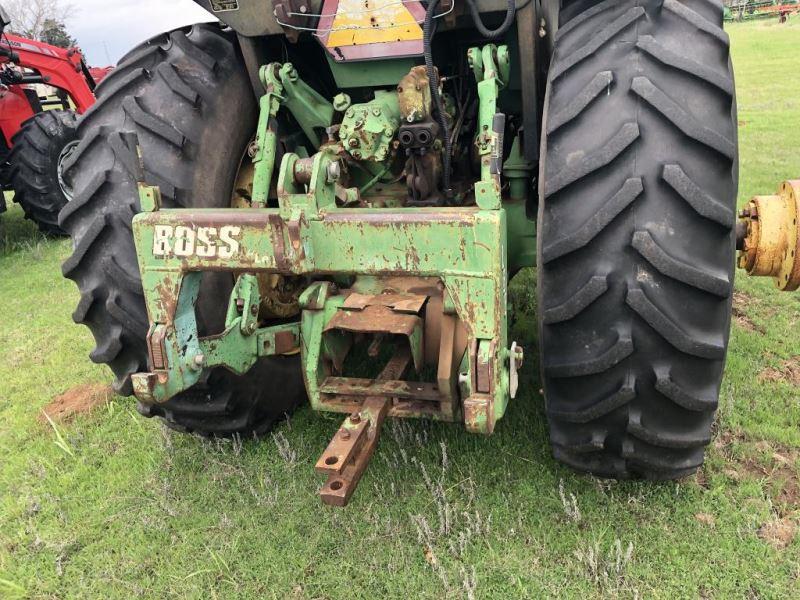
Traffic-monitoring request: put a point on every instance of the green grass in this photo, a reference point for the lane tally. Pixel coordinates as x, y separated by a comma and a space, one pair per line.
113, 505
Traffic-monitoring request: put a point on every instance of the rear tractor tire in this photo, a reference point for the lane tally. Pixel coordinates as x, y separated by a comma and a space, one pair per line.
636, 238
186, 99
33, 166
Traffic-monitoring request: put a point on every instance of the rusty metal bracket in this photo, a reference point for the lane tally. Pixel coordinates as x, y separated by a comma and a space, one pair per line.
379, 319
349, 452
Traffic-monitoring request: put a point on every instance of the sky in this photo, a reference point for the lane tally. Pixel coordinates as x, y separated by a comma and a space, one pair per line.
107, 29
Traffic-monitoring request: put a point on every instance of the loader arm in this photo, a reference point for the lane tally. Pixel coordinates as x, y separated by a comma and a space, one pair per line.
64, 69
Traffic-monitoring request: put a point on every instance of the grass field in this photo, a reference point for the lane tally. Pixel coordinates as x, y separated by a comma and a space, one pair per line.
113, 505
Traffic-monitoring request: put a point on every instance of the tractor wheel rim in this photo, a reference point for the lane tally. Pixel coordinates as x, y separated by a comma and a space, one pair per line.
65, 153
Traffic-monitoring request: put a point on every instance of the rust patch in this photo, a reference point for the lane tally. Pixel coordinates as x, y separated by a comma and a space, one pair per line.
374, 319
788, 372
78, 400
348, 454
779, 533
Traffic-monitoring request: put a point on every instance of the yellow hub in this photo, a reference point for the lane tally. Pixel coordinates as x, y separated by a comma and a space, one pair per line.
768, 237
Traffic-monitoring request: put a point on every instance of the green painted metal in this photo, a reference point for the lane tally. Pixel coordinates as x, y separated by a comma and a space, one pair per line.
469, 250
518, 172
237, 348
312, 112
368, 129
447, 243
369, 73
491, 67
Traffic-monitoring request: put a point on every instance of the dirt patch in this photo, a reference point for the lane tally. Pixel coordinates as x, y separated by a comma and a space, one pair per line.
740, 303
779, 533
77, 400
780, 474
706, 519
788, 372
776, 465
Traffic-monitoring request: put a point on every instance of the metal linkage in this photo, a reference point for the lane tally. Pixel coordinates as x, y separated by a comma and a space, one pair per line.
491, 66
349, 452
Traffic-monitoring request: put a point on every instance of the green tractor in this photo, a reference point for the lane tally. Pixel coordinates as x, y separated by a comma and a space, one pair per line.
326, 199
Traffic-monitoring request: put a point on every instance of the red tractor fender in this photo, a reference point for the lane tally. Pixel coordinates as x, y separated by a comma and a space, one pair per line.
60, 68
14, 110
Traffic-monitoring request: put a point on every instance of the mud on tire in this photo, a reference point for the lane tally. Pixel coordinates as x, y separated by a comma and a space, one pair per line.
186, 99
636, 241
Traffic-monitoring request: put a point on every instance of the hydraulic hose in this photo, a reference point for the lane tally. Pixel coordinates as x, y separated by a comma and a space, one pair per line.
433, 82
492, 34
427, 37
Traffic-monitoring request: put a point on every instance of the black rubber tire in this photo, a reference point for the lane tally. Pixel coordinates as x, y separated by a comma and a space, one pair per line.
33, 166
187, 99
636, 240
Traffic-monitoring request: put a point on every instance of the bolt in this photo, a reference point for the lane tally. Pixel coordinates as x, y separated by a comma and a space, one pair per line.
355, 418
304, 9
376, 112
341, 102
250, 329
353, 142
349, 113
359, 124
254, 310
197, 362
333, 172
356, 155
252, 149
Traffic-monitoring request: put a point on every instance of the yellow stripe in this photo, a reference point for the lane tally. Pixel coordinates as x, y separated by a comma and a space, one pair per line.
361, 22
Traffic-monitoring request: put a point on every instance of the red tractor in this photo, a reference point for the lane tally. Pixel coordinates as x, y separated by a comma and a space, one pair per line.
38, 132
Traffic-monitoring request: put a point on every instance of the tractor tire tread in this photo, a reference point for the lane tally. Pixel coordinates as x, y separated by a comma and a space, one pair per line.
638, 186
33, 166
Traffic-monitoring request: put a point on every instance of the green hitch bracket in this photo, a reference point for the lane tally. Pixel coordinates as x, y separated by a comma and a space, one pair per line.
491, 66
178, 355
462, 252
